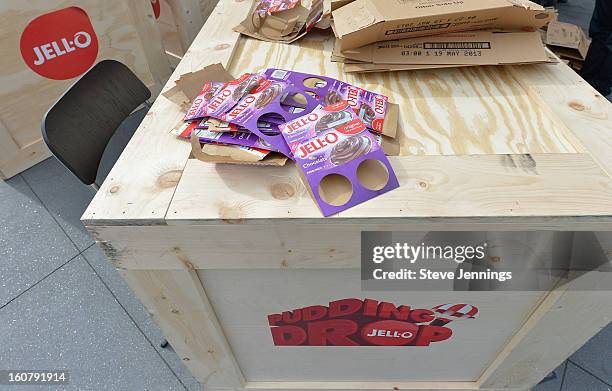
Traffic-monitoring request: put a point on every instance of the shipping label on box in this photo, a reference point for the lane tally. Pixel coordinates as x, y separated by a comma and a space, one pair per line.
469, 48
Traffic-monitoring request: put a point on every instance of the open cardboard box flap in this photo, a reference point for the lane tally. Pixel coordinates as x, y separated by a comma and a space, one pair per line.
363, 22
285, 26
233, 154
189, 84
465, 48
569, 36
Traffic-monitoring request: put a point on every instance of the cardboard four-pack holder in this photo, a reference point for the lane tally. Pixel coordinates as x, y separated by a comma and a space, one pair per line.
363, 22
463, 48
340, 161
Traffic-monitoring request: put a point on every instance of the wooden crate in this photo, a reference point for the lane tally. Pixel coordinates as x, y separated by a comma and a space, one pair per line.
180, 22
123, 30
211, 250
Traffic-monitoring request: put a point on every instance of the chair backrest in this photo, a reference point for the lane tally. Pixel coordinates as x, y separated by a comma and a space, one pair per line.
79, 125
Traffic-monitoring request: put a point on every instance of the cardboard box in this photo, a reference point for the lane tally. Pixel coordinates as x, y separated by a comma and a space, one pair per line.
363, 22
464, 48
567, 40
335, 4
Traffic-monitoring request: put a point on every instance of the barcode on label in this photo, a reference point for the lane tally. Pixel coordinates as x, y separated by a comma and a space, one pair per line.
457, 45
279, 74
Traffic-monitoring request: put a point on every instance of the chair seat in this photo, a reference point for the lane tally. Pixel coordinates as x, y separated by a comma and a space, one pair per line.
118, 142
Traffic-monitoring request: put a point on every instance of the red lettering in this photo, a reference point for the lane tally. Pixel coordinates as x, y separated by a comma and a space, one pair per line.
332, 332
379, 105
422, 315
274, 319
292, 316
369, 307
314, 312
344, 307
386, 310
288, 336
352, 94
428, 334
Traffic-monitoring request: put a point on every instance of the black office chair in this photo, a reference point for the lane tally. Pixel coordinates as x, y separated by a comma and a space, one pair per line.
90, 125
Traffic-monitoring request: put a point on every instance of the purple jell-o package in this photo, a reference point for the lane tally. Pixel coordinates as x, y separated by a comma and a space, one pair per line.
198, 106
243, 139
370, 106
207, 136
257, 112
333, 140
233, 91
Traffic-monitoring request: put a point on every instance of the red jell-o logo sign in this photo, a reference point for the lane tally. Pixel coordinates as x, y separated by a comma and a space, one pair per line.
60, 45
389, 333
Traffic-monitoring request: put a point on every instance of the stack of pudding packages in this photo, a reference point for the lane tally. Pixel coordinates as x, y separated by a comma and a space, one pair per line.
338, 134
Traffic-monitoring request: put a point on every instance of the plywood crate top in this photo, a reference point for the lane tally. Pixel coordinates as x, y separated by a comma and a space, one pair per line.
502, 144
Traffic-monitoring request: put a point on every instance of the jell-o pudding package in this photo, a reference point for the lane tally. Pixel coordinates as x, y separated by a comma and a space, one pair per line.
267, 106
231, 93
272, 6
374, 109
341, 161
207, 136
198, 106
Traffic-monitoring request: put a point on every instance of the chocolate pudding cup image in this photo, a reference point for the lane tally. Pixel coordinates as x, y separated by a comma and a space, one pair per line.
210, 94
367, 113
350, 149
332, 120
244, 88
331, 98
268, 95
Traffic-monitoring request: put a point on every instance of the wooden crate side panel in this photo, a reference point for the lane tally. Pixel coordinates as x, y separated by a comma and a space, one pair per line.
26, 95
430, 186
568, 318
557, 322
177, 302
269, 246
243, 299
188, 20
150, 40
21, 159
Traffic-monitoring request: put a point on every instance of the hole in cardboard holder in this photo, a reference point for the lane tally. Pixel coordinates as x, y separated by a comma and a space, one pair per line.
294, 102
312, 94
269, 122
335, 189
372, 174
314, 82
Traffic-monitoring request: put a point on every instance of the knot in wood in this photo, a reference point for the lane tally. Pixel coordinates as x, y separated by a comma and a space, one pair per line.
577, 106
169, 179
282, 191
423, 185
